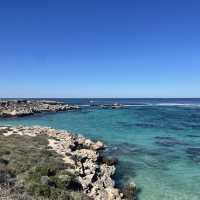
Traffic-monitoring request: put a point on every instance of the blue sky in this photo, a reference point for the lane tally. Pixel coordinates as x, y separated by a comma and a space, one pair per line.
100, 48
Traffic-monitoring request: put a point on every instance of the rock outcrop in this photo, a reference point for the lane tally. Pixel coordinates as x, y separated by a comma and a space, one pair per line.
83, 155
19, 108
112, 106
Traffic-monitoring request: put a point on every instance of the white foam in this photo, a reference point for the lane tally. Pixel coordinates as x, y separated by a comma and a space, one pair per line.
164, 104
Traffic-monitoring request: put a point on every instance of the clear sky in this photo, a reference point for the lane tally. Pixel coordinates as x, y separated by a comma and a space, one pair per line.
99, 48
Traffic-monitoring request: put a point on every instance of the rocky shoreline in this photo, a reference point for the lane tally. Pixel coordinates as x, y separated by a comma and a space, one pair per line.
94, 172
19, 108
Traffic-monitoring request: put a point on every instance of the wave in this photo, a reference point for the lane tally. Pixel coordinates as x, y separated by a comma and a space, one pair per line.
178, 104
163, 104
189, 105
84, 105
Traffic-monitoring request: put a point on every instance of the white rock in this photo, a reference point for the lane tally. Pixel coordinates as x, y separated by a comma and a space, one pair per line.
98, 145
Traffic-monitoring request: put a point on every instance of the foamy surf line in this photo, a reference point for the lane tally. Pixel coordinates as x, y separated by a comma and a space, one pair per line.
152, 105
163, 104
178, 104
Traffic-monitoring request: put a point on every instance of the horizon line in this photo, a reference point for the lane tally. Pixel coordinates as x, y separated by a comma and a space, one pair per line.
99, 97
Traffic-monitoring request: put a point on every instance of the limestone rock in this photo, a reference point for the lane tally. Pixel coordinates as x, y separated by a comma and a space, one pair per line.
93, 172
20, 108
98, 146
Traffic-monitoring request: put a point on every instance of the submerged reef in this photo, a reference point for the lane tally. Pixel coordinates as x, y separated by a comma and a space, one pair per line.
168, 141
194, 153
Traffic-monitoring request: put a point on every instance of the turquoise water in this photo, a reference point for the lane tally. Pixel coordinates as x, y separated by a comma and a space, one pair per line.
157, 143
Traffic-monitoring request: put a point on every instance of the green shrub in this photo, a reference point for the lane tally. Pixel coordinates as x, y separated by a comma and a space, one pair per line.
40, 171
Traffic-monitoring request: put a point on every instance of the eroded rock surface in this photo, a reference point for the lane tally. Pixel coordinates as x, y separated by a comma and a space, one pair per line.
82, 155
19, 108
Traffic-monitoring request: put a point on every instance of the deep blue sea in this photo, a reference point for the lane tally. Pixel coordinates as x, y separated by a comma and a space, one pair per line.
157, 141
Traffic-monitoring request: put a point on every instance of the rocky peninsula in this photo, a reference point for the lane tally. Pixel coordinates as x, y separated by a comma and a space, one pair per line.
41, 162
19, 108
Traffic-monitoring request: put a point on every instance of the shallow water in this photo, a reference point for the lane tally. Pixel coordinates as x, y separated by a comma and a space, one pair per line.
156, 141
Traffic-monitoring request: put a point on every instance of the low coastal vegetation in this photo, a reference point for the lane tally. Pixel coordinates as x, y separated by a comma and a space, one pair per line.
30, 170
44, 163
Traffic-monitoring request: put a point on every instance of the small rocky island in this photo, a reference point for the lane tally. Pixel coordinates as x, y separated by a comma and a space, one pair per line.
112, 106
19, 108
109, 106
44, 163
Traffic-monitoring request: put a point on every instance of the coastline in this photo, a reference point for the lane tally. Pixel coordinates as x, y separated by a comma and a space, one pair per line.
27, 107
94, 172
21, 108
136, 136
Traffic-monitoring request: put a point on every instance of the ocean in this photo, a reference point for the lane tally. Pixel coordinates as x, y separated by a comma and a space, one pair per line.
157, 141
